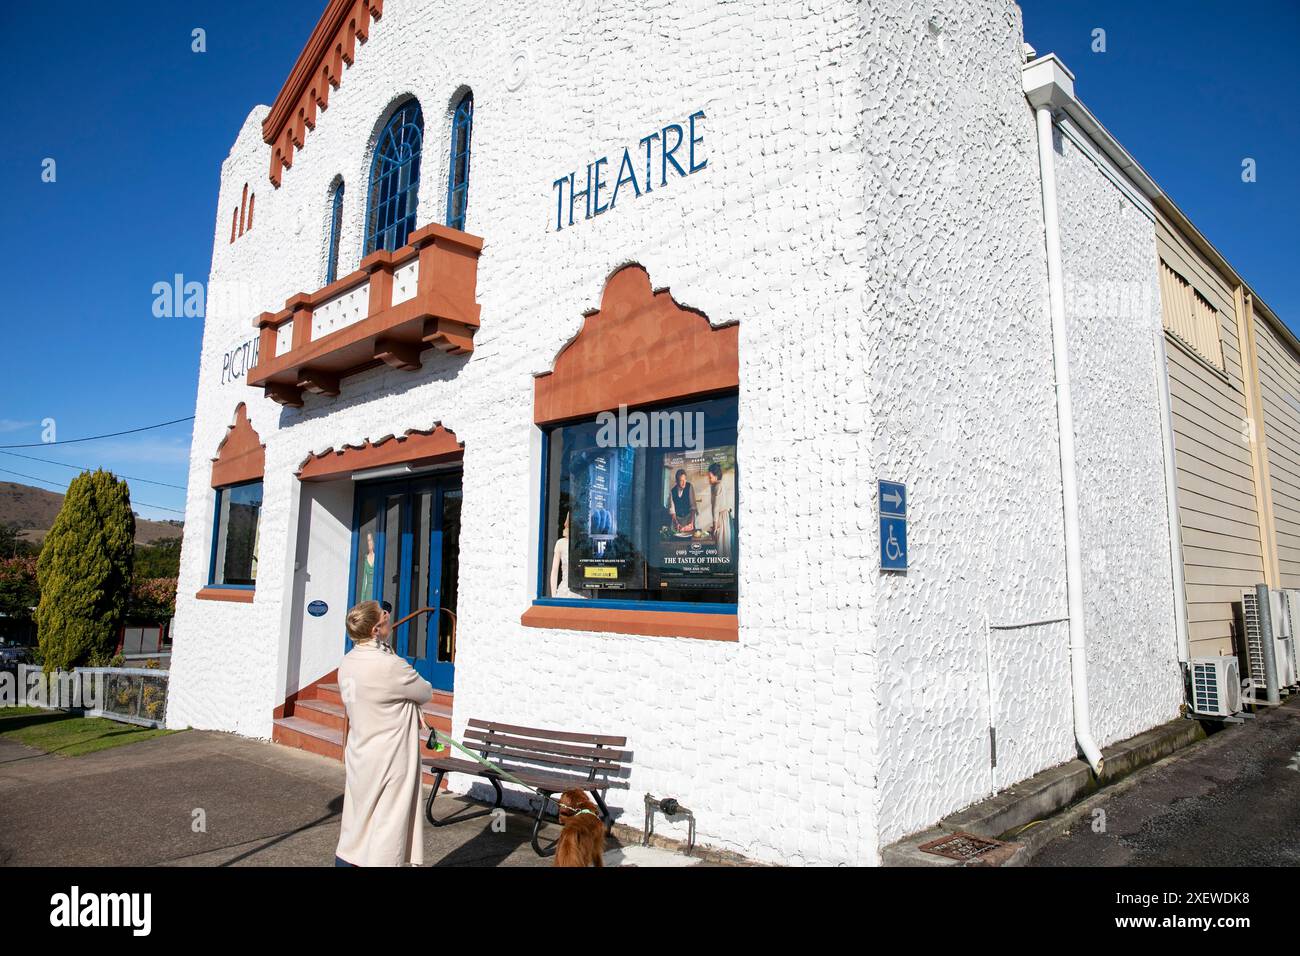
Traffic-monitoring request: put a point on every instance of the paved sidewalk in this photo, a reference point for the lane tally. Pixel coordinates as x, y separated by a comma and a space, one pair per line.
261, 805
1228, 801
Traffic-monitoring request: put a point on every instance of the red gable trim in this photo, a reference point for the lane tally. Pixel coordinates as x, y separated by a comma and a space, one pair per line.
431, 446
318, 68
618, 356
241, 456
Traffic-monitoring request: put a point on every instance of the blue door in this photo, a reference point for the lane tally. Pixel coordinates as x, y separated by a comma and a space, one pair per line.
405, 537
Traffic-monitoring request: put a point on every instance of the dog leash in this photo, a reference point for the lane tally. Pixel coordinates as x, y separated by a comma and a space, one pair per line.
438, 737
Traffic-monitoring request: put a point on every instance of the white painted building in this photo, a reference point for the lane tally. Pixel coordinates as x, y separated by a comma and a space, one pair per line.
851, 228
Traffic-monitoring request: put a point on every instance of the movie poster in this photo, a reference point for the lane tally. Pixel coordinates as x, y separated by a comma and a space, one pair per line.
602, 533
694, 544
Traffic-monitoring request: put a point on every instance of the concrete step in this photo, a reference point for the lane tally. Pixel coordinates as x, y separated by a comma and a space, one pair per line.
321, 712
308, 735
328, 692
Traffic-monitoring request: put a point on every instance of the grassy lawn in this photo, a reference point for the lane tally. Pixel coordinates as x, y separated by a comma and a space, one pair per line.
58, 733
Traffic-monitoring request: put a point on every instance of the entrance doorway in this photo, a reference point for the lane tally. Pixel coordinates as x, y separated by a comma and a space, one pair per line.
405, 547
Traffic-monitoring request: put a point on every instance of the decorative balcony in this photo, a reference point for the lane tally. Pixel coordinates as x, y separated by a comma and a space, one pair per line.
390, 310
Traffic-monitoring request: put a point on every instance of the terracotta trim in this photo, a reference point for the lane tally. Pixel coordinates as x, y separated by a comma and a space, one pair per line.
319, 66
241, 456
376, 261
443, 314
235, 595
708, 627
432, 446
616, 358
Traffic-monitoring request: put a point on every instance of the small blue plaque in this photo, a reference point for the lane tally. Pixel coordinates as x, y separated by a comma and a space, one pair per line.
317, 608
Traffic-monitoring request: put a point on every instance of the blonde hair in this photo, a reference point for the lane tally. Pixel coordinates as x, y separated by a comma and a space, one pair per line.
361, 620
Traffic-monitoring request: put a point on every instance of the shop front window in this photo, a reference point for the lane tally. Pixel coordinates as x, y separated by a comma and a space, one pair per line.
234, 552
641, 506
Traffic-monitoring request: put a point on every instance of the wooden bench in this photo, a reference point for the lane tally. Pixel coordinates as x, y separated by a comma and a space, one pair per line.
548, 762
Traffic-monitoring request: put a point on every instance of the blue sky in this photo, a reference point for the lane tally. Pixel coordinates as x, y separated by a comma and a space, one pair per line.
138, 125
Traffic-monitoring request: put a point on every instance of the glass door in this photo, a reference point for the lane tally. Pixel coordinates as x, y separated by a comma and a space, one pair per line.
405, 542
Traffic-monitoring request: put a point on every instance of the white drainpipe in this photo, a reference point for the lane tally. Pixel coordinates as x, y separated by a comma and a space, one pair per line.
1047, 83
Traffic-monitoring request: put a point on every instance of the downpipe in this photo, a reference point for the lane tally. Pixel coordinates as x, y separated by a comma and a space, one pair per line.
1065, 428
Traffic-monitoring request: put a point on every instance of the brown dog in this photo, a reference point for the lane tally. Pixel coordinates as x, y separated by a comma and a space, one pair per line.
582, 842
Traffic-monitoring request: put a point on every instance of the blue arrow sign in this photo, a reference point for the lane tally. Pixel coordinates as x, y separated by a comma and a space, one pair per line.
893, 526
893, 498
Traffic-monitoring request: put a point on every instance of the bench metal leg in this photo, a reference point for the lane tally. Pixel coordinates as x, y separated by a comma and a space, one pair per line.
537, 826
604, 812
459, 816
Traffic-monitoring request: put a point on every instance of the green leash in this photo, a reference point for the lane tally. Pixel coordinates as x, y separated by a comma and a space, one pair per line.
437, 736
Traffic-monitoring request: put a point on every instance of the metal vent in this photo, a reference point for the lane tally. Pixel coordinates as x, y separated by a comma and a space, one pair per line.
962, 846
1254, 635
1205, 687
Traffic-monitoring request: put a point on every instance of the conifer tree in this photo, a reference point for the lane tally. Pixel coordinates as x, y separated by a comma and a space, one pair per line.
84, 572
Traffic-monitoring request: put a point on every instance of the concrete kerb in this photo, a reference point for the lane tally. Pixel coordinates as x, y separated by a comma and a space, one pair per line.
1009, 814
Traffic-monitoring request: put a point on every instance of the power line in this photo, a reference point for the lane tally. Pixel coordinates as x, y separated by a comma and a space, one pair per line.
129, 431
45, 481
62, 464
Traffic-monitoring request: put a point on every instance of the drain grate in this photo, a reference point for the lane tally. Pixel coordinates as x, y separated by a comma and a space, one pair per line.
961, 846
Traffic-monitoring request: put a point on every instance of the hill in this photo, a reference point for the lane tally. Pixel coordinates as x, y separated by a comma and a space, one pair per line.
34, 510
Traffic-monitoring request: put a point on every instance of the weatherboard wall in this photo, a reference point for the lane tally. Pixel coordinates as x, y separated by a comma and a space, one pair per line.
1222, 552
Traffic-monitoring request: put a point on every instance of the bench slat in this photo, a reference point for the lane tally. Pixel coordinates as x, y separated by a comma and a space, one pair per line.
549, 734
555, 783
545, 746
497, 750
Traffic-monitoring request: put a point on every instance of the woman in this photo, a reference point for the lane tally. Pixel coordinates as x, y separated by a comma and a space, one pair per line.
560, 566
682, 501
382, 693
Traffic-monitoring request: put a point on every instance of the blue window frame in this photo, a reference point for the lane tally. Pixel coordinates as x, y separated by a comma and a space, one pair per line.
458, 176
395, 180
336, 227
642, 523
235, 527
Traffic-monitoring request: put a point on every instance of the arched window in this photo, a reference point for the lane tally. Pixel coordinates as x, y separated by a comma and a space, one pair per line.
395, 181
336, 227
458, 177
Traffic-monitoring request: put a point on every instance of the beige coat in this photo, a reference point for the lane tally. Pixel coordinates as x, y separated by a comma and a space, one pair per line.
382, 823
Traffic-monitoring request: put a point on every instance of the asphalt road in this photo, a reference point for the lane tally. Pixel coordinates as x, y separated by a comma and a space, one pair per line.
1231, 800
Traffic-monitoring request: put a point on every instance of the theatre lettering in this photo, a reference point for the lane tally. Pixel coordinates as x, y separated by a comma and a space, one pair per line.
638, 169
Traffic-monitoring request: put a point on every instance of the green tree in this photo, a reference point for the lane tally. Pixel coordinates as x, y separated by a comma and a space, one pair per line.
11, 545
162, 559
84, 572
18, 591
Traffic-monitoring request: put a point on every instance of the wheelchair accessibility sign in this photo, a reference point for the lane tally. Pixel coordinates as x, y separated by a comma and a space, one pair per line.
893, 526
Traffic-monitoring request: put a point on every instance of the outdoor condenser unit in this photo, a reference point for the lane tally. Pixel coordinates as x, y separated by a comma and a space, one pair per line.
1284, 633
1254, 634
1283, 638
1216, 686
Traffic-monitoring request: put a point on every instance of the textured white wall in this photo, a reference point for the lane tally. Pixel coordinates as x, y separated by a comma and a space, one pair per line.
870, 216
768, 739
963, 410
1113, 306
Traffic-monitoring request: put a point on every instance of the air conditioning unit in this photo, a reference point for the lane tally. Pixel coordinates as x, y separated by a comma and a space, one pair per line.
1216, 686
1284, 640
1284, 623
